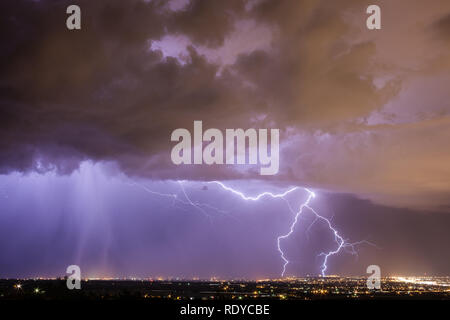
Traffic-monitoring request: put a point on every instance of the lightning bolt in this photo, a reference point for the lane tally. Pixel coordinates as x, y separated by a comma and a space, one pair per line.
186, 201
342, 244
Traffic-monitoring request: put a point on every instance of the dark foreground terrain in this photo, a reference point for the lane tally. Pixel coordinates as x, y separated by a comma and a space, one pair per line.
334, 288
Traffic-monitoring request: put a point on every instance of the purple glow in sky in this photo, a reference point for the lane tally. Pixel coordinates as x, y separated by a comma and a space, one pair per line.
99, 199
112, 225
86, 117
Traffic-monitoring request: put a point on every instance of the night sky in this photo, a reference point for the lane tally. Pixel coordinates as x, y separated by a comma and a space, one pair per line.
86, 117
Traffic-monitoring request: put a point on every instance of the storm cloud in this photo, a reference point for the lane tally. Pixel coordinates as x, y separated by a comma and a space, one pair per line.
361, 112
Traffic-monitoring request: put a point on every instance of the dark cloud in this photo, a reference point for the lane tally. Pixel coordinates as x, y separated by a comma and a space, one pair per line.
207, 22
443, 26
102, 93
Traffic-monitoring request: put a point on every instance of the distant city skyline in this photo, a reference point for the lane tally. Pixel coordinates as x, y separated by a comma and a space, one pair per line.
294, 289
359, 116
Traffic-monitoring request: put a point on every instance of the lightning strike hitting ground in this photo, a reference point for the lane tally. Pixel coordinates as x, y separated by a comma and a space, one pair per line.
342, 244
